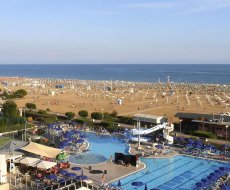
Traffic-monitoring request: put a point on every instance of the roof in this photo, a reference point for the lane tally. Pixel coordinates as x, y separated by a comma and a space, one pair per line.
198, 116
28, 160
43, 164
147, 116
42, 150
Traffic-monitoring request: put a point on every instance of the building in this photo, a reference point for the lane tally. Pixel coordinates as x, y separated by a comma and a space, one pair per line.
217, 124
149, 119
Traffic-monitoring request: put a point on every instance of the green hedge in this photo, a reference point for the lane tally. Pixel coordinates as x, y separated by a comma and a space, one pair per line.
204, 134
125, 120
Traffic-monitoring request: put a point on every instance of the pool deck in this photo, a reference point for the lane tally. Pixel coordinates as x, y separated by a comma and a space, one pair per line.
151, 152
114, 171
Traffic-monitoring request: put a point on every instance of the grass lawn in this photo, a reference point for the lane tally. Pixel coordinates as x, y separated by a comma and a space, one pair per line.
4, 140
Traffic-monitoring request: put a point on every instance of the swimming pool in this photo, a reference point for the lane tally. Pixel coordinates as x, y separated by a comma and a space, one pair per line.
179, 172
100, 149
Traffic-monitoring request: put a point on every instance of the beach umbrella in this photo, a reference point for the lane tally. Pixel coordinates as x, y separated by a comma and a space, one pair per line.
159, 146
221, 168
76, 168
119, 183
204, 180
63, 172
217, 171
199, 184
80, 141
209, 177
146, 188
73, 175
52, 177
212, 174
137, 183
61, 180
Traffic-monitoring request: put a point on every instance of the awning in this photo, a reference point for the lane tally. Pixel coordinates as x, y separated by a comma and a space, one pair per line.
83, 188
10, 156
28, 160
42, 150
44, 164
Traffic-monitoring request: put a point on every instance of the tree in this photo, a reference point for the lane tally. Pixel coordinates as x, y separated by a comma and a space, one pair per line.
83, 113
30, 105
96, 115
10, 109
20, 93
69, 115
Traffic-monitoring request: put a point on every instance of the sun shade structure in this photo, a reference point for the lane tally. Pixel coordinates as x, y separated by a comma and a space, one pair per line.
28, 160
44, 165
42, 150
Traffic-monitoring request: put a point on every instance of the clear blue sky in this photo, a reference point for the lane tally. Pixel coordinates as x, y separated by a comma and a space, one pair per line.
115, 31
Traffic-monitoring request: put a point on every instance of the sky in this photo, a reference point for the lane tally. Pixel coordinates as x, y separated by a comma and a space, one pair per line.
114, 31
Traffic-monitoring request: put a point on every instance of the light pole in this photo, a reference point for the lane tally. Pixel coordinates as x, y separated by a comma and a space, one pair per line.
180, 124
226, 132
25, 122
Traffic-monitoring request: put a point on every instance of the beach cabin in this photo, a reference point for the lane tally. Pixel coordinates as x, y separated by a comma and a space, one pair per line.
119, 101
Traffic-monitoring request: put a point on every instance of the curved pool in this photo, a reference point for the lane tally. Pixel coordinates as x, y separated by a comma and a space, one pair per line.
101, 148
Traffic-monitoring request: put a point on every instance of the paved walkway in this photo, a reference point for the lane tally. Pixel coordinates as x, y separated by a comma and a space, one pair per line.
214, 141
114, 171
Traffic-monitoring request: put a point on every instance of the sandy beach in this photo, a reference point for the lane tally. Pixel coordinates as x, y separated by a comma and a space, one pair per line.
127, 98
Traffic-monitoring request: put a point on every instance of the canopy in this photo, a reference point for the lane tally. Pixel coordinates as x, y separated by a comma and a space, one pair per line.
42, 150
28, 160
83, 188
44, 164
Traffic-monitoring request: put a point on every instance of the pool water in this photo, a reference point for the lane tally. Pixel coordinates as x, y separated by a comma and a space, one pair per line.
179, 172
87, 158
101, 148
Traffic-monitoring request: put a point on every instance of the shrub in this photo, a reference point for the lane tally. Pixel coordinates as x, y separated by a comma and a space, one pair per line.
125, 120
96, 115
19, 93
42, 112
83, 113
204, 134
69, 115
10, 109
30, 105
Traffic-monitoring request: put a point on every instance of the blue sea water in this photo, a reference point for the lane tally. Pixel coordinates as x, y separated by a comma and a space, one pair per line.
215, 73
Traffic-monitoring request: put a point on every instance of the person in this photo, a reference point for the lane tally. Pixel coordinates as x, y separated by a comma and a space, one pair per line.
103, 179
111, 158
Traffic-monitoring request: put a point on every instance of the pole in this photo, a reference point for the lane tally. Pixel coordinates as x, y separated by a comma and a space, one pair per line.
25, 122
180, 124
139, 140
226, 135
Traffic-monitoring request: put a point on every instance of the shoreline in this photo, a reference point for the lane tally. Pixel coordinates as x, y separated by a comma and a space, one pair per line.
107, 80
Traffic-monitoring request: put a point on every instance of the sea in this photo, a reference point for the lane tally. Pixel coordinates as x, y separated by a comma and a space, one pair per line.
184, 73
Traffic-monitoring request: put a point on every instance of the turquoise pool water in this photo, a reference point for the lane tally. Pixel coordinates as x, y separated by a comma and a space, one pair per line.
179, 172
100, 149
